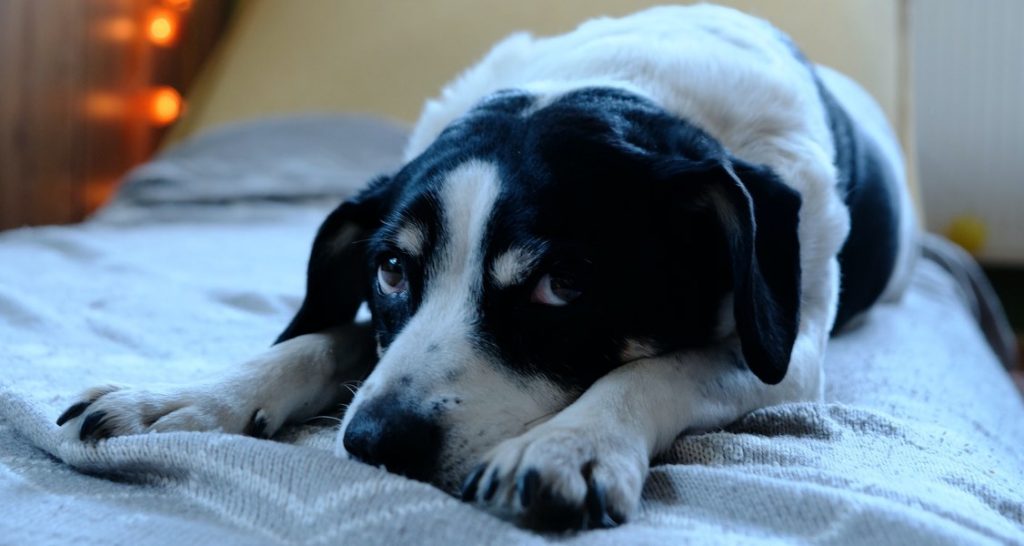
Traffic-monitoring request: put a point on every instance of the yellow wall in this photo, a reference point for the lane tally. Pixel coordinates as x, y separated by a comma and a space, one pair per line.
386, 56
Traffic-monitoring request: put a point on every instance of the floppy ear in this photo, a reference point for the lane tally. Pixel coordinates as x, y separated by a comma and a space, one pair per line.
336, 276
759, 215
765, 256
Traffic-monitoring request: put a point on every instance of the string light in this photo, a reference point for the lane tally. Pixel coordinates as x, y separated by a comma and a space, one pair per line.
180, 5
157, 106
164, 105
162, 27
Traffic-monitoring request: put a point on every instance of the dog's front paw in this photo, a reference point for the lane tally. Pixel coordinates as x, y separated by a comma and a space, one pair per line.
562, 477
114, 410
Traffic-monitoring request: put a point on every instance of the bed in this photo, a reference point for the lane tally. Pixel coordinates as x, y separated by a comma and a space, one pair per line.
199, 262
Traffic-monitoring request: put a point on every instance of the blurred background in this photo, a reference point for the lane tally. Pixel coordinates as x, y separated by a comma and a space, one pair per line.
91, 88
88, 89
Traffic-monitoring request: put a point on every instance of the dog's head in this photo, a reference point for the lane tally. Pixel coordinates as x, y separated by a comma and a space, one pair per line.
532, 249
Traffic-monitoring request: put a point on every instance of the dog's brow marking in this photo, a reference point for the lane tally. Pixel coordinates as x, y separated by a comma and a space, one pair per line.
449, 308
511, 267
467, 199
411, 238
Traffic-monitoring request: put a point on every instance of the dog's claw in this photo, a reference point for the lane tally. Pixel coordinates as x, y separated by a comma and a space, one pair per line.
74, 411
469, 486
554, 513
616, 517
257, 427
527, 485
92, 424
492, 486
597, 508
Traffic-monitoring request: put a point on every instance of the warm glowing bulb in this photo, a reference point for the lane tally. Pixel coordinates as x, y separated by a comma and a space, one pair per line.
164, 105
162, 28
180, 5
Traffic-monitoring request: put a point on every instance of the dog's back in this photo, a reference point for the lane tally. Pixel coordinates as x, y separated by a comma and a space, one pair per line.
713, 66
879, 252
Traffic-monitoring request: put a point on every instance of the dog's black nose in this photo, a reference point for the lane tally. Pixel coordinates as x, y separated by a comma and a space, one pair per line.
387, 432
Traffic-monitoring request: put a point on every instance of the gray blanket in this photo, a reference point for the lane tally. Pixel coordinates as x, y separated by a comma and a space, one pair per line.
919, 440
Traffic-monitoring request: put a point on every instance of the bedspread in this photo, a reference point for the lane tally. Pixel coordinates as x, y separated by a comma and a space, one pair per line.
200, 262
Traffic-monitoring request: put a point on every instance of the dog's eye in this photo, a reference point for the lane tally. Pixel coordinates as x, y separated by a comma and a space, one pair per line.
555, 291
391, 276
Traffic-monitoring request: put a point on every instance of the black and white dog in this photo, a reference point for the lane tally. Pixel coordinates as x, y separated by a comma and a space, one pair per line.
599, 241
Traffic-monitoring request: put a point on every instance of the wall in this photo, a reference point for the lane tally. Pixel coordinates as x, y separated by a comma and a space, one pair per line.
969, 87
40, 77
387, 56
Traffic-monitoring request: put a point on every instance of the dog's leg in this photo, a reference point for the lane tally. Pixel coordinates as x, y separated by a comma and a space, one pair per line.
585, 467
292, 381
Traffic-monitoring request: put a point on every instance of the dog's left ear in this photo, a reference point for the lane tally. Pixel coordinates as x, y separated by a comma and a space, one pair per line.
759, 215
336, 276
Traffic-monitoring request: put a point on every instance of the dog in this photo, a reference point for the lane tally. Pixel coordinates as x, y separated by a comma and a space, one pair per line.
598, 241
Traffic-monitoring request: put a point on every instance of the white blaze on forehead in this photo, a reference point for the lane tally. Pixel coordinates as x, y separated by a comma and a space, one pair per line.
453, 284
467, 198
512, 266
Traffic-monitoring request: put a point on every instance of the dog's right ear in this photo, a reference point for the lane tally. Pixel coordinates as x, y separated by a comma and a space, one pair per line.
336, 281
760, 216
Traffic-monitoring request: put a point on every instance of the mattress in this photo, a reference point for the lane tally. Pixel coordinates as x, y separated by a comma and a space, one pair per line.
199, 263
